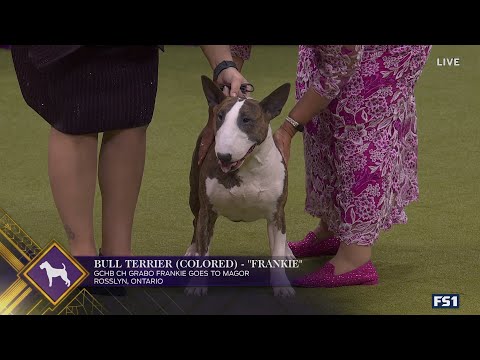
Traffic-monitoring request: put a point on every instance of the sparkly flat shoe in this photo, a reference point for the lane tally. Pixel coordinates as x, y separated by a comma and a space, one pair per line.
365, 274
311, 246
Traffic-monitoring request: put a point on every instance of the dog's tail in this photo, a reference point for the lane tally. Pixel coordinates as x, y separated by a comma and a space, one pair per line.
63, 266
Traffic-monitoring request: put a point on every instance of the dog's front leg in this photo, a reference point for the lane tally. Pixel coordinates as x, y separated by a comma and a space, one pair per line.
49, 281
192, 249
278, 277
203, 233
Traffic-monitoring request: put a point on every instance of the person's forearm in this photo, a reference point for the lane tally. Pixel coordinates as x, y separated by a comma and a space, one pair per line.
215, 54
309, 105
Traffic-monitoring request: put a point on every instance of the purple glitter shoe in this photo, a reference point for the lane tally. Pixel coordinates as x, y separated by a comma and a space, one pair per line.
311, 246
325, 277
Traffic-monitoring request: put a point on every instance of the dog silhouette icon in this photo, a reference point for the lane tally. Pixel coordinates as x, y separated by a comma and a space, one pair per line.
53, 273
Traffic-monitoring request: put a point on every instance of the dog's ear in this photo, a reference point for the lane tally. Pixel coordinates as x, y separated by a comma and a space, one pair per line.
212, 92
273, 104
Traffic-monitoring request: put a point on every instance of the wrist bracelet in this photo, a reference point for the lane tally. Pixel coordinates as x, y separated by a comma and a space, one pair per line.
288, 129
222, 66
296, 125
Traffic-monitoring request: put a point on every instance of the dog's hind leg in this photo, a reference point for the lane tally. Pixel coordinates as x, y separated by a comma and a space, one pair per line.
278, 277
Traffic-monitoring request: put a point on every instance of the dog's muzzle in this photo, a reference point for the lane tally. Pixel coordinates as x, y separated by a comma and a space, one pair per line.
230, 166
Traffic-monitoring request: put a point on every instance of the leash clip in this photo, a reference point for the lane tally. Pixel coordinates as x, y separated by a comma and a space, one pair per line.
244, 88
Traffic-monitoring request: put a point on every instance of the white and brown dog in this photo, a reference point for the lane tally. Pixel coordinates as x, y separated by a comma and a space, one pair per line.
53, 273
243, 176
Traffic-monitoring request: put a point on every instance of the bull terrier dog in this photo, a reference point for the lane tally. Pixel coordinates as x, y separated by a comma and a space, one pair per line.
243, 176
53, 273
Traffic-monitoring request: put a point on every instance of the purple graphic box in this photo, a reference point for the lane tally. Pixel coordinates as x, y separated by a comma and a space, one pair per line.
54, 266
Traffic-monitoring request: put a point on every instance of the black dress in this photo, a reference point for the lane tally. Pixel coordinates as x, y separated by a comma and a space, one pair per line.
88, 89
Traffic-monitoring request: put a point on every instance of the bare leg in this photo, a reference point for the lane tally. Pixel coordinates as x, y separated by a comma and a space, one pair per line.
349, 257
122, 160
321, 231
72, 168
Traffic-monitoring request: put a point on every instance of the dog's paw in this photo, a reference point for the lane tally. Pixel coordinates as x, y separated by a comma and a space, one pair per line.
192, 251
283, 291
196, 291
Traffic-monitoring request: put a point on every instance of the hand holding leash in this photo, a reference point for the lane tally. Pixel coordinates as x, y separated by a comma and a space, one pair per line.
230, 81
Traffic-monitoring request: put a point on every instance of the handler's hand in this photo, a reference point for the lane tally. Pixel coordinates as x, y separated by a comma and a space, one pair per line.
283, 140
232, 78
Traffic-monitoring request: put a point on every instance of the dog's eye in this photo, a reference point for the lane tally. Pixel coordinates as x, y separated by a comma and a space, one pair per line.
246, 120
220, 117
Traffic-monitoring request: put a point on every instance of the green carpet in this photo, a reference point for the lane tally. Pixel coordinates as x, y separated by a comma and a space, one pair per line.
436, 252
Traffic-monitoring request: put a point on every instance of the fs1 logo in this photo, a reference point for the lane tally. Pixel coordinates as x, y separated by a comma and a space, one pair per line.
445, 301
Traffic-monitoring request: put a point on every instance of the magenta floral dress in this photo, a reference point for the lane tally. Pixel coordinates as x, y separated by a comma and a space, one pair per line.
360, 152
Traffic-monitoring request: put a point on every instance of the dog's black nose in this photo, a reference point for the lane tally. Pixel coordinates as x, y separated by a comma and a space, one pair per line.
224, 157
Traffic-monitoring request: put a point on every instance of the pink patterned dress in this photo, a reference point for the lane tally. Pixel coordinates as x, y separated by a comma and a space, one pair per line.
360, 152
